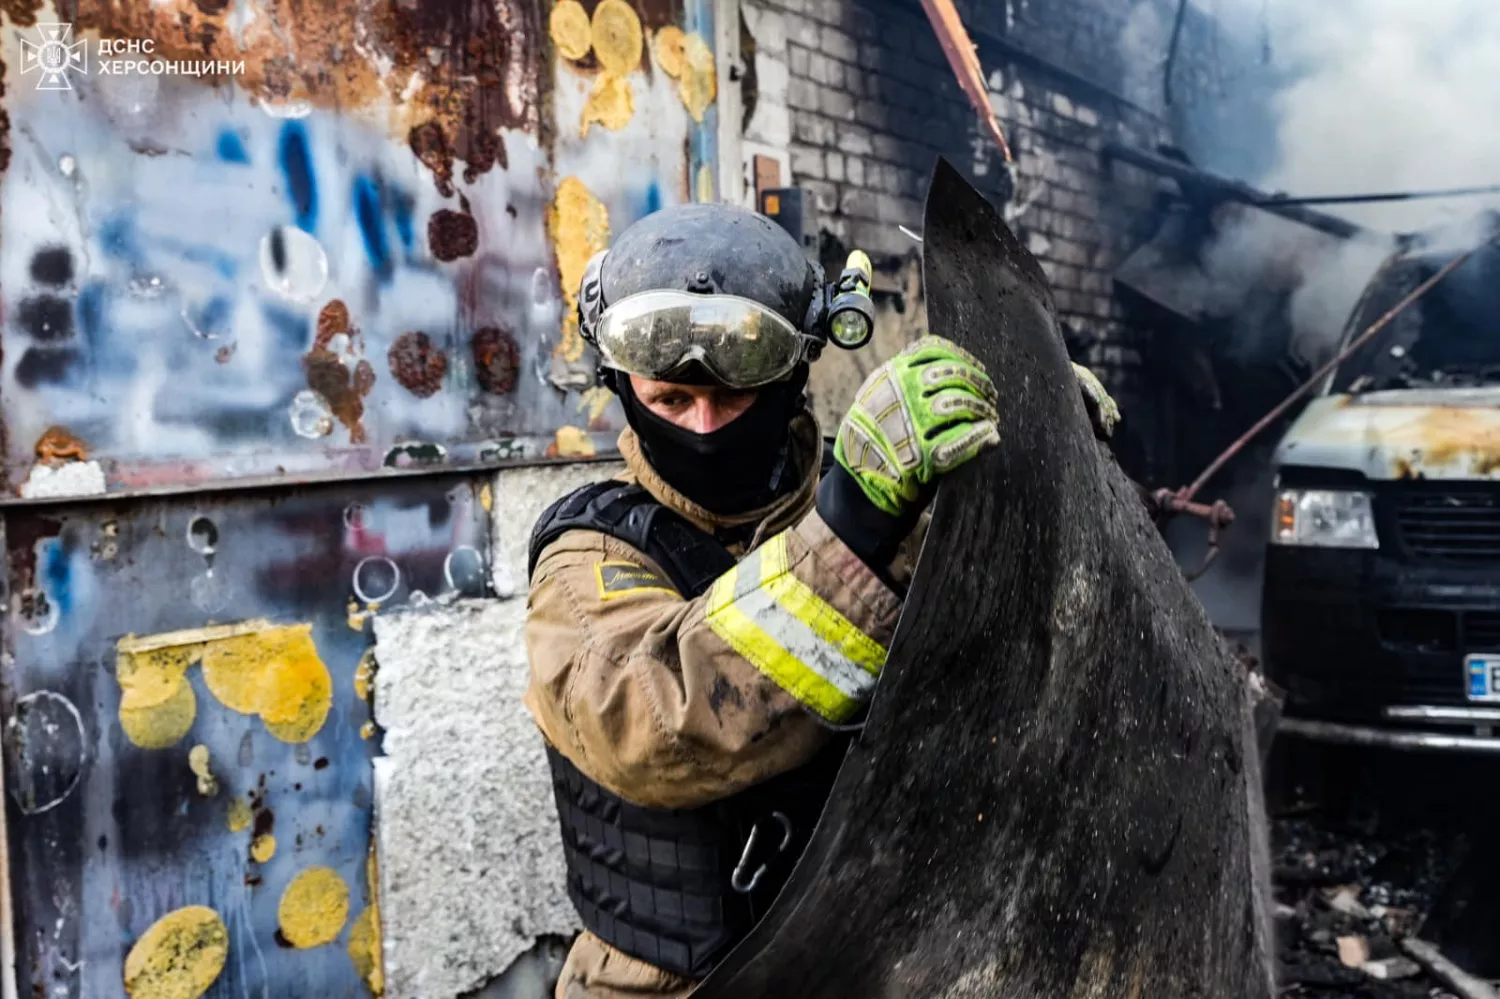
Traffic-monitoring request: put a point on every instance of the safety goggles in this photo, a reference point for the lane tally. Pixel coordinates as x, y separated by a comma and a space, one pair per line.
741, 343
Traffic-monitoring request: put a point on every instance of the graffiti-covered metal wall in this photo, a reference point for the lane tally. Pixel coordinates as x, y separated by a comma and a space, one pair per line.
280, 282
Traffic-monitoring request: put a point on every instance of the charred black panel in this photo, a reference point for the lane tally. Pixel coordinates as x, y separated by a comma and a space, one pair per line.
1057, 791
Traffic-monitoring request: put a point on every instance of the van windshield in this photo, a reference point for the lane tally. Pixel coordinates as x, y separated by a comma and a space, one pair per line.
1449, 338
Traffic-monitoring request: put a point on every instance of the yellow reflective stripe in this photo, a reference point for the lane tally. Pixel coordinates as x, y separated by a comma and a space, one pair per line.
789, 673
784, 629
821, 617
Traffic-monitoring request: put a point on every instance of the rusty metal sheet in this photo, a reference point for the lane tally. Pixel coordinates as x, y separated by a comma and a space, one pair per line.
186, 724
285, 268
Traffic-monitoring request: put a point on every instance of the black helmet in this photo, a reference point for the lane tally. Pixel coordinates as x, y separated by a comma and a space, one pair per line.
717, 286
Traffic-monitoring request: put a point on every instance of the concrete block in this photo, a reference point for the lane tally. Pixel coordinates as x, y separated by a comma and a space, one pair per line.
772, 79
770, 124
837, 44
825, 195
1086, 116
802, 30
471, 868
797, 60
836, 104
833, 167
854, 170
859, 203
1061, 106
811, 128
807, 164
802, 94
825, 71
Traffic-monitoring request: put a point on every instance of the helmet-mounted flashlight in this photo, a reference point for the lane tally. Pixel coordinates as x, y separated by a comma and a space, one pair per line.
851, 312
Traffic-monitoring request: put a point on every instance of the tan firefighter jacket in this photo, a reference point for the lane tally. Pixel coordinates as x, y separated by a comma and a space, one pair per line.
675, 703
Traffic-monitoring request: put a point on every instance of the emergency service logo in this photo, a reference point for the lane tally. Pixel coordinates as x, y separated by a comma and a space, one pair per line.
53, 55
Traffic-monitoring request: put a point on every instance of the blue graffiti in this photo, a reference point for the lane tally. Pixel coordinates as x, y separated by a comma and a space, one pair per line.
296, 165
291, 327
231, 147
404, 205
57, 571
653, 198
116, 235
372, 225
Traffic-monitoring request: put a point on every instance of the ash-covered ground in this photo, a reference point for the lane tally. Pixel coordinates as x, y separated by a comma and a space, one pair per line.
1372, 846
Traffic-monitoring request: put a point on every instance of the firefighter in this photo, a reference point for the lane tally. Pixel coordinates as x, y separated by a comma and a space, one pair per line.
704, 629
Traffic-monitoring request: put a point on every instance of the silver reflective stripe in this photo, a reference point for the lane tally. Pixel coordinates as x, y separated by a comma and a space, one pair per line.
822, 658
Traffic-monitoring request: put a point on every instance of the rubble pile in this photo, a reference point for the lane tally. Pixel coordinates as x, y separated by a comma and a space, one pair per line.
1344, 898
1366, 880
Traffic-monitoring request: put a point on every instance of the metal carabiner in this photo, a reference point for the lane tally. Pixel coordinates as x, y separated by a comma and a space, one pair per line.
736, 880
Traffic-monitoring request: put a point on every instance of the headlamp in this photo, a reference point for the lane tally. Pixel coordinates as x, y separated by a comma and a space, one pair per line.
851, 313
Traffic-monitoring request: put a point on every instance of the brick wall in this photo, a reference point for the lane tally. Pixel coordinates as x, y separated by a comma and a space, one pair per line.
858, 95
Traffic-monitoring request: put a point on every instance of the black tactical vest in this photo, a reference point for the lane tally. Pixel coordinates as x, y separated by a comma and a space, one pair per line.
676, 888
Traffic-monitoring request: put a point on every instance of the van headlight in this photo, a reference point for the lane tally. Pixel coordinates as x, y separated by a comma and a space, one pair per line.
1324, 518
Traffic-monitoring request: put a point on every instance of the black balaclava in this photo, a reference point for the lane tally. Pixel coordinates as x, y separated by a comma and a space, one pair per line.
741, 466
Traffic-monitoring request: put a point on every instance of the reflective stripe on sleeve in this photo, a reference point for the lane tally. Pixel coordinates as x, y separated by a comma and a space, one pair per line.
794, 636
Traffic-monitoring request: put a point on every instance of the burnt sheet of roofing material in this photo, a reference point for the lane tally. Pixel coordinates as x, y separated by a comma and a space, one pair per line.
188, 747
1057, 790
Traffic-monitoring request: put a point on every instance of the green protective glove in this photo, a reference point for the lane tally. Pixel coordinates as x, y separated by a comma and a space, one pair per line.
919, 415
1103, 413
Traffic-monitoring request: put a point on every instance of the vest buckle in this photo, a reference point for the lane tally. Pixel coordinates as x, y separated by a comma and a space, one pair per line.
737, 879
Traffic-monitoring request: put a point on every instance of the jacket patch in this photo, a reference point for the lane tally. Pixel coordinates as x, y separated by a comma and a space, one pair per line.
619, 579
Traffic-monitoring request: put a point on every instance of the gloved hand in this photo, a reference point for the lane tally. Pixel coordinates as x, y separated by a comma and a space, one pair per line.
919, 415
1103, 413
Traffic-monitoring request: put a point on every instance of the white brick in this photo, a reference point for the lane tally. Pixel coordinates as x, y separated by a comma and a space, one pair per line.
1062, 105
854, 169
1087, 116
771, 124
767, 27
833, 167
855, 140
770, 79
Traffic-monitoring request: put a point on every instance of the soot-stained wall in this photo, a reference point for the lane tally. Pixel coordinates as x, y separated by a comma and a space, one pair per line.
860, 96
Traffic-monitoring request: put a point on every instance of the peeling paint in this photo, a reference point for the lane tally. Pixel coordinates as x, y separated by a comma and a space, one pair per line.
262, 848
616, 37
569, 27
198, 758
1400, 434
313, 908
611, 104
255, 668
179, 956
59, 445
579, 226
75, 478
669, 44
365, 945
275, 673
364, 675
595, 401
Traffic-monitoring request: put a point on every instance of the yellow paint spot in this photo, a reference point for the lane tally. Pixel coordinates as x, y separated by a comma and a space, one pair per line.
487, 495
364, 675
699, 82
669, 55
364, 936
157, 705
573, 442
179, 956
703, 191
275, 673
159, 726
239, 815
313, 908
569, 27
254, 667
198, 763
579, 226
610, 103
263, 848
595, 400
617, 37
367, 730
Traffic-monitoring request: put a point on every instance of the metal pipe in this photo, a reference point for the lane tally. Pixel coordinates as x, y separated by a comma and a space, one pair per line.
1325, 370
1356, 735
1462, 716
1230, 190
1451, 975
1364, 199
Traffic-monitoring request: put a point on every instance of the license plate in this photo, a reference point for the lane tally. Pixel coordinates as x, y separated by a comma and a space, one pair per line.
1482, 674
